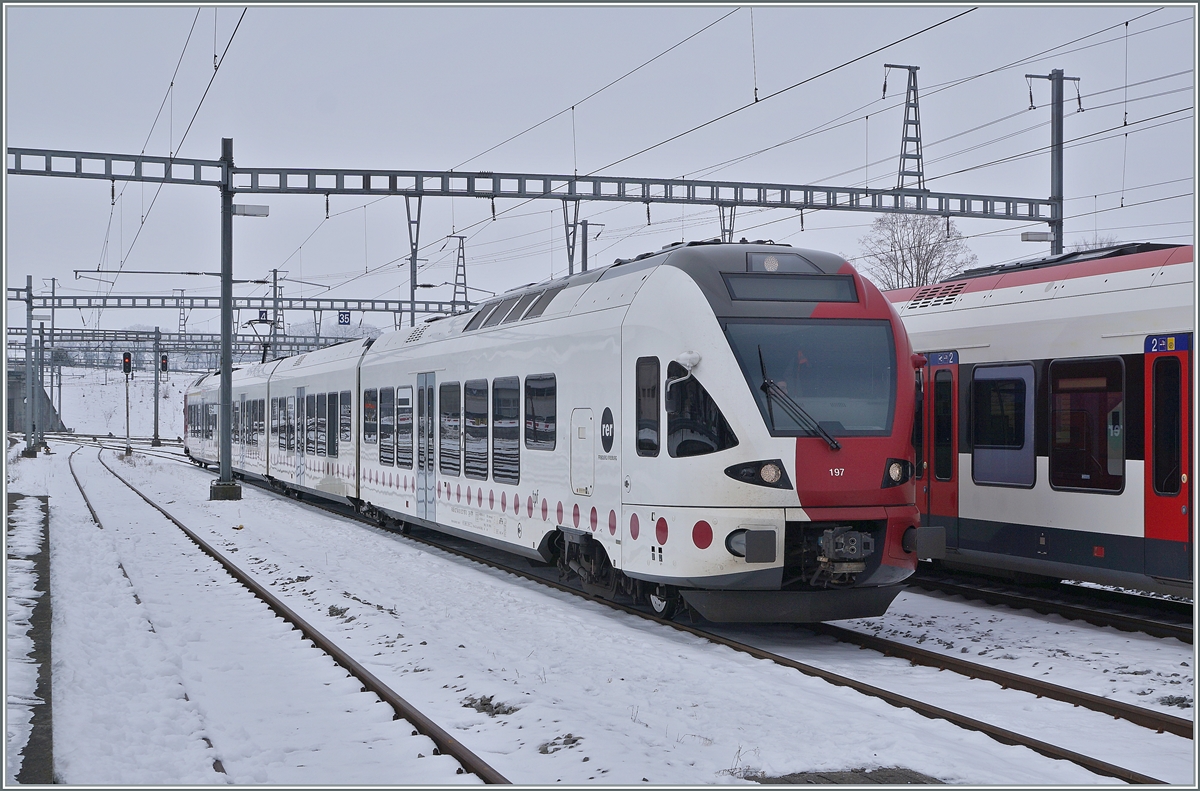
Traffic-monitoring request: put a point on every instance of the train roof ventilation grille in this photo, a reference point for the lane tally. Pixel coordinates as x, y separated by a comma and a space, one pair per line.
932, 296
416, 334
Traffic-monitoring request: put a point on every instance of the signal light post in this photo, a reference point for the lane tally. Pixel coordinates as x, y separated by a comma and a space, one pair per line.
127, 367
156, 442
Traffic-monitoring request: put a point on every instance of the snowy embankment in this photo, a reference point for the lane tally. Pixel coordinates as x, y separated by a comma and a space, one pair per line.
93, 402
24, 535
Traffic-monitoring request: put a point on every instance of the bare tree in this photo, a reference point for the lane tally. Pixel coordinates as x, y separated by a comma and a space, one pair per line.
906, 250
1094, 243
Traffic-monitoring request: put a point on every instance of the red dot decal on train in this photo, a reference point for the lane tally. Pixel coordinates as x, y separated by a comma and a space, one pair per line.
479, 497
458, 492
702, 534
516, 504
491, 499
529, 505
545, 509
660, 530
503, 502
593, 520
612, 523
575, 514
633, 526
560, 512
469, 494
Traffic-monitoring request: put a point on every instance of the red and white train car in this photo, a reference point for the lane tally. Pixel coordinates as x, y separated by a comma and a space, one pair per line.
726, 424
1056, 433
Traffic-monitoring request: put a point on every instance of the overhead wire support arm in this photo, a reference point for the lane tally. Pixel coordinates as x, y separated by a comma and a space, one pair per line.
419, 184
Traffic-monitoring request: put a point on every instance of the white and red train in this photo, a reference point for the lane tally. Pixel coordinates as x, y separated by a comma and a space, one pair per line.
729, 424
1056, 432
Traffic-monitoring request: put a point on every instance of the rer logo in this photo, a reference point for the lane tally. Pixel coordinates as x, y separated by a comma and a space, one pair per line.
606, 430
344, 317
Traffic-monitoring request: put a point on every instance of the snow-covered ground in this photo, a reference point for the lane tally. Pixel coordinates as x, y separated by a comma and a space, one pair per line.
24, 536
93, 402
546, 687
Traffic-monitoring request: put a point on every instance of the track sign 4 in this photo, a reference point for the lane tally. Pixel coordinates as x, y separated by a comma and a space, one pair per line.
344, 318
126, 362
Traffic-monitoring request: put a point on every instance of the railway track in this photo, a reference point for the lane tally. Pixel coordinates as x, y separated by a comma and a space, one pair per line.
446, 743
1160, 618
547, 576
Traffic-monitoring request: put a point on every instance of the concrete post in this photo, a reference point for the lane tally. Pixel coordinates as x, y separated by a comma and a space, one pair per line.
156, 442
29, 450
224, 487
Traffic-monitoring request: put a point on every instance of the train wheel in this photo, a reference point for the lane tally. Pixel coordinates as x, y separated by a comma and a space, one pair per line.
664, 600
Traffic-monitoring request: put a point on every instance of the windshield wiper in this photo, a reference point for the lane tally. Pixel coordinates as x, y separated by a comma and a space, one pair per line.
793, 409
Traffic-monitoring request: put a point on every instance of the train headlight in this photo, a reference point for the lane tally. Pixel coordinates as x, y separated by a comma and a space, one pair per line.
736, 543
896, 472
769, 472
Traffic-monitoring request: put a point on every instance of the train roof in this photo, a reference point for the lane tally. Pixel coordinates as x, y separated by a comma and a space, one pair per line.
1087, 263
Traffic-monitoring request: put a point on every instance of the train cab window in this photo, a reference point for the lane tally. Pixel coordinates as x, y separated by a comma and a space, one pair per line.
331, 425
695, 425
1002, 426
322, 424
506, 430
1087, 425
475, 426
404, 427
540, 411
647, 406
370, 416
310, 425
449, 425
345, 416
1165, 465
943, 426
291, 424
387, 426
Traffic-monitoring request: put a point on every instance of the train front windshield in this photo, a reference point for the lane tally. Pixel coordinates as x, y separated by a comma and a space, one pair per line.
842, 374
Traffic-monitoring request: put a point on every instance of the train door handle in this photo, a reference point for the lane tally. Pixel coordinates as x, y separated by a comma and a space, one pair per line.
626, 483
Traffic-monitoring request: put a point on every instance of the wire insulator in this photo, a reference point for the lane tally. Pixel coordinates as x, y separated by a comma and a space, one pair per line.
647, 212
1031, 104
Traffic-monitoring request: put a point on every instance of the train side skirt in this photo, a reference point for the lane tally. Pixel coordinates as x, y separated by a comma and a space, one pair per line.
790, 606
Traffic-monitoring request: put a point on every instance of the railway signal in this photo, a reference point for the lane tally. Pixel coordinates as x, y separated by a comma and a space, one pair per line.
162, 363
126, 362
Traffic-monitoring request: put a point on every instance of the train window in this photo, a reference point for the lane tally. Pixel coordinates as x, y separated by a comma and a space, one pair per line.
234, 425
791, 288
695, 425
345, 416
387, 426
521, 307
1165, 466
539, 307
449, 424
1087, 425
506, 430
331, 424
480, 317
943, 426
310, 424
540, 408
276, 438
322, 424
1003, 453
646, 381
370, 417
475, 426
291, 424
500, 312
404, 427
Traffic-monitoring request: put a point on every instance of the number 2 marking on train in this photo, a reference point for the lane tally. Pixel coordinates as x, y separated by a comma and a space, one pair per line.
837, 472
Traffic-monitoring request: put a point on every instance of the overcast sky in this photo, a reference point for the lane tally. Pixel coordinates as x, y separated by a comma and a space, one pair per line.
435, 87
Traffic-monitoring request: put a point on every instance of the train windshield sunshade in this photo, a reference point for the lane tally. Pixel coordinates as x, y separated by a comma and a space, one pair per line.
791, 287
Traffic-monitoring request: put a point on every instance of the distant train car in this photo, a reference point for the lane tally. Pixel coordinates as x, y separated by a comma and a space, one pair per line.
723, 425
1056, 434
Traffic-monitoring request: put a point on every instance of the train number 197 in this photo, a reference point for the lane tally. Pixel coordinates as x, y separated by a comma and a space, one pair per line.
837, 472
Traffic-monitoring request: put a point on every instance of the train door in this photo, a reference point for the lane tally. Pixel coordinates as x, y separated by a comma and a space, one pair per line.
583, 452
1168, 487
938, 491
425, 457
242, 434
